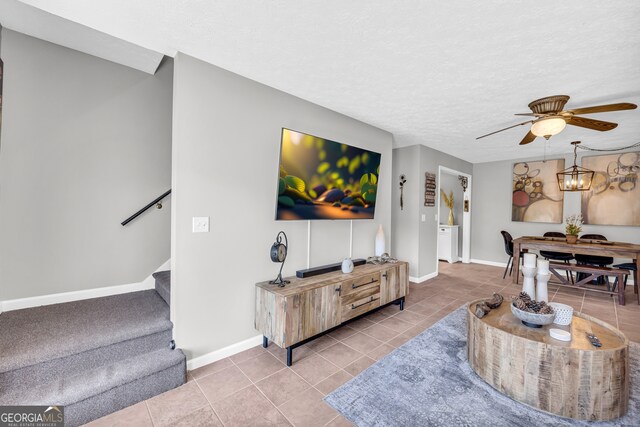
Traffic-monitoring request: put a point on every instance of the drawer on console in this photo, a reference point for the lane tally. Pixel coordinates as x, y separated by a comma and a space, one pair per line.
359, 294
360, 306
360, 283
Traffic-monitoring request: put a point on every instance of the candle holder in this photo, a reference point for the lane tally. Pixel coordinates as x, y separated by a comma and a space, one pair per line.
542, 293
529, 284
529, 260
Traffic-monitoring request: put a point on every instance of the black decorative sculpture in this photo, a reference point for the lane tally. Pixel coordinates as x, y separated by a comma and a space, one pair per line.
402, 181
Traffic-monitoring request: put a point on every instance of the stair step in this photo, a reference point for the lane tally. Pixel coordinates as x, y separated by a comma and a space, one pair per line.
54, 341
95, 393
163, 285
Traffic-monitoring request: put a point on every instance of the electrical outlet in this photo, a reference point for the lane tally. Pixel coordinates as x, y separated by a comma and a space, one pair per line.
200, 224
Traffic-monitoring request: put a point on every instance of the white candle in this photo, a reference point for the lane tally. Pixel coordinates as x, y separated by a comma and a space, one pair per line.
530, 260
542, 293
529, 284
543, 266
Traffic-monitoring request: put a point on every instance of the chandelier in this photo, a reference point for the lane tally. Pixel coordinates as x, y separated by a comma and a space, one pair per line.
575, 178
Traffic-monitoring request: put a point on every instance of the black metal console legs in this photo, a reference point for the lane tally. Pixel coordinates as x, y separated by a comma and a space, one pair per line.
289, 355
265, 341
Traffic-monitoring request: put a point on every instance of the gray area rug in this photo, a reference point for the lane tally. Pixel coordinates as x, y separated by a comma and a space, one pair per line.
428, 382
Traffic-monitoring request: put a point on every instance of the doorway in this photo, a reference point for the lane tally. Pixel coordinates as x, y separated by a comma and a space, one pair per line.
451, 180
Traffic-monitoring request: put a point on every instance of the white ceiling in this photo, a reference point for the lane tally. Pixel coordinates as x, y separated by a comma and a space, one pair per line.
35, 22
437, 73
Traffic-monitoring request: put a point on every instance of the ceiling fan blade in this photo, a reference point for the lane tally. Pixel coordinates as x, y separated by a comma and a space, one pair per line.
528, 138
585, 122
519, 124
530, 114
604, 108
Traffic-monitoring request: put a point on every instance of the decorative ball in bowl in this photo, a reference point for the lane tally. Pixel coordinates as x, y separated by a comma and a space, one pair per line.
532, 320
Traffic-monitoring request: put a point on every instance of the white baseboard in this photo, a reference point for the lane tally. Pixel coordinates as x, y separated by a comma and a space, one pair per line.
214, 356
423, 278
485, 262
20, 303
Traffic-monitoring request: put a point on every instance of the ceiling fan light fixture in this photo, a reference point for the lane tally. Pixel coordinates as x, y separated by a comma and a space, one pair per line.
548, 126
575, 178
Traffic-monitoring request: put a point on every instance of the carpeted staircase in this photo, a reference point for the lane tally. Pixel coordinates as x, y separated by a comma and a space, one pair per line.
93, 356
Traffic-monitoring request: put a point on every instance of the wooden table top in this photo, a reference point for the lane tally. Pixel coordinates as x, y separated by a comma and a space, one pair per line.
297, 284
610, 337
560, 242
583, 246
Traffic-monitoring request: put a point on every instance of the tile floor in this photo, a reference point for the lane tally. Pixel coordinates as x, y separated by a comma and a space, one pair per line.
255, 387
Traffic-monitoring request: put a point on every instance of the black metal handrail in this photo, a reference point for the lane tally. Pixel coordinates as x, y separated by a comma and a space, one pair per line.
137, 214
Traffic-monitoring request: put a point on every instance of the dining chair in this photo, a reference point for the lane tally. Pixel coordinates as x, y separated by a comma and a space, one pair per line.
600, 261
508, 248
558, 256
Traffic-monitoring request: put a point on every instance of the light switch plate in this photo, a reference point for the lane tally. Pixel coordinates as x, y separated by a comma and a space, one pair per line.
424, 217
200, 224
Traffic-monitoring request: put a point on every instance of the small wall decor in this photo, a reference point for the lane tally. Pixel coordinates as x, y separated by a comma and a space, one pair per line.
536, 196
429, 189
464, 182
403, 179
614, 198
466, 206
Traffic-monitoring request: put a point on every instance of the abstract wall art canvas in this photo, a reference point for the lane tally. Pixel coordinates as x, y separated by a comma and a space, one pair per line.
614, 198
535, 193
324, 179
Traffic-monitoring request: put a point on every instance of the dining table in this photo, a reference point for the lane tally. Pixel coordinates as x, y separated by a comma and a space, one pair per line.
630, 251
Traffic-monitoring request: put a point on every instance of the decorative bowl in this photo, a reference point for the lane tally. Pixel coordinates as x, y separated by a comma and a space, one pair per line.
532, 320
564, 313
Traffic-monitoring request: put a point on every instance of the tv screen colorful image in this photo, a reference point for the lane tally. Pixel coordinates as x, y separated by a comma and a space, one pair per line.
324, 179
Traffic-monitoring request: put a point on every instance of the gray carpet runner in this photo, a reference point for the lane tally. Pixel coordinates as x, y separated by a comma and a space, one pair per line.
163, 285
93, 356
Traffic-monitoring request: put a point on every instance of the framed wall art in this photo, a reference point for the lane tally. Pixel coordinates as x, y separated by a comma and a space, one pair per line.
536, 196
614, 197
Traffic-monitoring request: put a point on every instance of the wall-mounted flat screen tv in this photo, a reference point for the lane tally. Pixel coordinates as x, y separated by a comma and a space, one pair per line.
324, 179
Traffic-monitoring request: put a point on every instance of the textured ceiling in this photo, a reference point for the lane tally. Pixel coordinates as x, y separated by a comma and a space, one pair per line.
437, 73
35, 22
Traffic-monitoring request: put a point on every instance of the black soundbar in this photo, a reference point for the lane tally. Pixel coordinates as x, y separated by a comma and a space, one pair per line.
309, 272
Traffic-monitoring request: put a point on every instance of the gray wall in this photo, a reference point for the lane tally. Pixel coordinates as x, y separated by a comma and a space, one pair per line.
450, 182
225, 166
430, 159
405, 245
85, 143
414, 240
491, 212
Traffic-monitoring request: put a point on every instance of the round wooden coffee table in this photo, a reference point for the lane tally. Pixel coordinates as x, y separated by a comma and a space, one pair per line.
570, 379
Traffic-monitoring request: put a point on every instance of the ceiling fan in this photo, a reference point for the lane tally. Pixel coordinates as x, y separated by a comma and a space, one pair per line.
551, 119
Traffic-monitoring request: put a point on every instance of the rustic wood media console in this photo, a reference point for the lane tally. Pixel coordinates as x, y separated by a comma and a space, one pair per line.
290, 316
